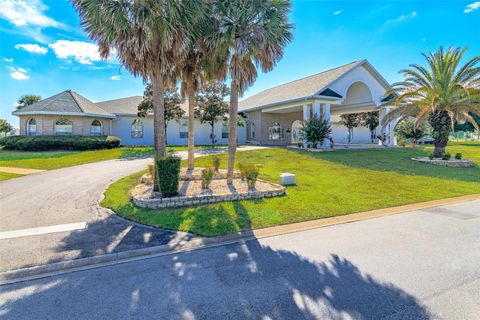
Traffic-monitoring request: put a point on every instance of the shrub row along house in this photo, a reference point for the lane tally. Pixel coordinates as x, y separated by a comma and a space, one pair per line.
69, 113
274, 116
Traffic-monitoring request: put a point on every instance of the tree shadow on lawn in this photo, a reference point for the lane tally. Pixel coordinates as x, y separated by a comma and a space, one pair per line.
245, 280
398, 161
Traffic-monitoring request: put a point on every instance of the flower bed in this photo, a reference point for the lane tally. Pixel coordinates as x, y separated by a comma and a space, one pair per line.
190, 192
446, 163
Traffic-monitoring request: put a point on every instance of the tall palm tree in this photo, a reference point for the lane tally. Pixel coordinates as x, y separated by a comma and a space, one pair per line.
444, 93
147, 37
250, 33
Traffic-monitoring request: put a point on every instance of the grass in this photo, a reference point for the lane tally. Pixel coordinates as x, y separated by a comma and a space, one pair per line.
328, 184
60, 159
6, 176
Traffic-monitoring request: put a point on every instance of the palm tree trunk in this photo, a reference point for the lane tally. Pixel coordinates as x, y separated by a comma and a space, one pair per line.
441, 125
191, 124
159, 116
212, 133
232, 135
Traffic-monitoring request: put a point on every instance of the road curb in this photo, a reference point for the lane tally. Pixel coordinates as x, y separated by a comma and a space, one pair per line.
57, 268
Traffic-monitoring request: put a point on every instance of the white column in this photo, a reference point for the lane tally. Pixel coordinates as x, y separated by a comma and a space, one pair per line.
326, 116
389, 129
306, 112
316, 109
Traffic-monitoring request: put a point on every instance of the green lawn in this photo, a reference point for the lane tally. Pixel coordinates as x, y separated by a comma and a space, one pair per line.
60, 159
329, 184
6, 176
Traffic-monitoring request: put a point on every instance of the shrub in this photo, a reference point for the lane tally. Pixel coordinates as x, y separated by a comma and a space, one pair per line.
316, 130
430, 156
207, 177
45, 143
401, 143
446, 156
216, 162
168, 170
242, 166
300, 144
458, 156
249, 172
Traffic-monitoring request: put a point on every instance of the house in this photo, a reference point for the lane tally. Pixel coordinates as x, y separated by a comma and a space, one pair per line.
69, 113
275, 115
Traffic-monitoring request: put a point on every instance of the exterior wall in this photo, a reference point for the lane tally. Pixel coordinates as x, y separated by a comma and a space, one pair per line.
340, 134
284, 119
255, 118
46, 123
122, 128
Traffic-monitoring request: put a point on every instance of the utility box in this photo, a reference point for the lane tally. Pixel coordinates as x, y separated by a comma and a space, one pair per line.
287, 179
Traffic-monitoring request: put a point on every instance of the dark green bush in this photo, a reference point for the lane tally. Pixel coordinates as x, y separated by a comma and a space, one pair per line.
45, 143
458, 156
446, 156
216, 162
168, 170
207, 177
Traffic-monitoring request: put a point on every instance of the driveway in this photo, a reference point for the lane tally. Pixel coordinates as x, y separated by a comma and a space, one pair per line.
55, 215
419, 265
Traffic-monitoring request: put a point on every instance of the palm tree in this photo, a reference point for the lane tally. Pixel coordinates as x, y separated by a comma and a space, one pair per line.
147, 37
444, 93
27, 100
249, 33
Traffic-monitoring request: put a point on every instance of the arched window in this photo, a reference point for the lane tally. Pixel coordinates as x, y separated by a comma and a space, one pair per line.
225, 130
63, 127
297, 131
31, 127
276, 132
137, 129
96, 129
252, 130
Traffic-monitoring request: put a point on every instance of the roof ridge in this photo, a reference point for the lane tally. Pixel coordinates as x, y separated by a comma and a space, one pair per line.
315, 74
75, 99
139, 96
52, 100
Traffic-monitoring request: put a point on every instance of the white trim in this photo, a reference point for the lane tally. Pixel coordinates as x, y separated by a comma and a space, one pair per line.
55, 113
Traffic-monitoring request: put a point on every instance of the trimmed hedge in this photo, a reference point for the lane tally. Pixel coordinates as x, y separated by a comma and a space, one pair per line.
45, 143
168, 170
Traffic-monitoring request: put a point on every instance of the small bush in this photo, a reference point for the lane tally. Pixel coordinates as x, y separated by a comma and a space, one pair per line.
401, 143
216, 162
207, 177
45, 143
430, 156
249, 172
300, 144
446, 156
458, 156
168, 170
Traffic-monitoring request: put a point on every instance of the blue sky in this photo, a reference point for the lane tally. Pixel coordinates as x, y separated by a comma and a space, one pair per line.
43, 49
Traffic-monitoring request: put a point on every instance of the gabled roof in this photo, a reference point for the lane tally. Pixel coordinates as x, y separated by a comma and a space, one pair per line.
66, 102
312, 86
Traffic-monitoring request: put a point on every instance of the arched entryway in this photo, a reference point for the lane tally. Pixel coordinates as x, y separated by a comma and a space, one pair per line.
296, 131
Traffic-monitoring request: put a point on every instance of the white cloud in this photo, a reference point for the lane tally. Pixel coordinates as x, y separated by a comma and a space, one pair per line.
336, 13
34, 48
19, 73
115, 78
83, 52
26, 13
402, 18
9, 60
472, 7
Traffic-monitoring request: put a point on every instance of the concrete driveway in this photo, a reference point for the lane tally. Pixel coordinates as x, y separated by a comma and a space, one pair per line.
55, 215
419, 265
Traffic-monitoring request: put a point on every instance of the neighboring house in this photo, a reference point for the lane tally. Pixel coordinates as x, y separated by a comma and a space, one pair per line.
69, 113
275, 115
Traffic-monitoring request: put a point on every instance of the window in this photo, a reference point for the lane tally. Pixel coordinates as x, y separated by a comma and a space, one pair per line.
252, 130
63, 127
225, 130
31, 127
183, 129
276, 132
137, 129
96, 128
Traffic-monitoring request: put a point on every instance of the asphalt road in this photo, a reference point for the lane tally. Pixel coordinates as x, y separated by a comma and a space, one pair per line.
419, 265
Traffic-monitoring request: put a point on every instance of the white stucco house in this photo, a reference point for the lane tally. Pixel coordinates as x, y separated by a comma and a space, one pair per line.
69, 113
275, 115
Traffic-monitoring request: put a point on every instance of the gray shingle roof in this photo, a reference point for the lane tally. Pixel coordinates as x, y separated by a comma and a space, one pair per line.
129, 105
301, 88
65, 102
